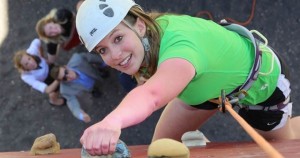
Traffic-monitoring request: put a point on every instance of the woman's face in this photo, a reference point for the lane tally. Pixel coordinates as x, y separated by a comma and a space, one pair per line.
28, 63
122, 49
52, 29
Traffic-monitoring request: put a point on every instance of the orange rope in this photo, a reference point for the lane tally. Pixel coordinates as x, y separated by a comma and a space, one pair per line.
249, 19
270, 150
200, 13
204, 12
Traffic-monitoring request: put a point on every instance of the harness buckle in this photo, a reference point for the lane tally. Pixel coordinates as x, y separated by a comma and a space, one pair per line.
261, 36
234, 101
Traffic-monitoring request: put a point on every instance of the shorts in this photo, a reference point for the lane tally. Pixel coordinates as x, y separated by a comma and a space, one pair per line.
266, 119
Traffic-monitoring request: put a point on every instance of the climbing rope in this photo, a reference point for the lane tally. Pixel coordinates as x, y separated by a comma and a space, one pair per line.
209, 15
224, 103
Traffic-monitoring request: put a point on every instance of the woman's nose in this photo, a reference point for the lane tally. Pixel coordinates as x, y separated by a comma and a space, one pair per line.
116, 53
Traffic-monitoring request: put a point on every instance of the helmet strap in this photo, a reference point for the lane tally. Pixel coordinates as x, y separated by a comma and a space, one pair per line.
146, 45
145, 42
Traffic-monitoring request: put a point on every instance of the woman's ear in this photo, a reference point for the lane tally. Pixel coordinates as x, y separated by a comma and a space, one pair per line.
140, 27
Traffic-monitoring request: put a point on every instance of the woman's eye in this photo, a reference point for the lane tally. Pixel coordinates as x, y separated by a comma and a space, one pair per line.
118, 39
101, 51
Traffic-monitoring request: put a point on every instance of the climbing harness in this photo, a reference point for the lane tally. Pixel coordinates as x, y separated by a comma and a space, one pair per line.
238, 27
257, 59
241, 92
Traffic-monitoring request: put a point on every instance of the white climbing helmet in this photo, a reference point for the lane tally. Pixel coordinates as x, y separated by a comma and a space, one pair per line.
96, 18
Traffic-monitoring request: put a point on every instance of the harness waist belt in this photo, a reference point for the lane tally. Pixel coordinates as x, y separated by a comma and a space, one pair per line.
268, 108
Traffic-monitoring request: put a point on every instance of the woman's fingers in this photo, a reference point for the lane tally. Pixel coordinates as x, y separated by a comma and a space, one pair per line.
100, 140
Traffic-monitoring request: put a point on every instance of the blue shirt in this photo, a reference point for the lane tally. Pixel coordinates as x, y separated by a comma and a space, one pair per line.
84, 80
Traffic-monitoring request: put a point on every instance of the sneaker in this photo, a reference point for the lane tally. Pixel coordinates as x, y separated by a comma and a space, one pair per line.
56, 105
86, 118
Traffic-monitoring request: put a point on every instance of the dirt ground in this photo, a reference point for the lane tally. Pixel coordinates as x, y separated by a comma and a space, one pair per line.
25, 113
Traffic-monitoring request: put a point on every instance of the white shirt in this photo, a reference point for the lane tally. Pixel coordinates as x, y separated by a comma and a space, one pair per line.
36, 78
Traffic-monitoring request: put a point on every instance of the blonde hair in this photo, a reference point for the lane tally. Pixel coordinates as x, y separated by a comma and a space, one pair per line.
17, 60
50, 17
153, 34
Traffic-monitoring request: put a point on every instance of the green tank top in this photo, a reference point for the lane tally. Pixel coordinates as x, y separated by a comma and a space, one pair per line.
222, 59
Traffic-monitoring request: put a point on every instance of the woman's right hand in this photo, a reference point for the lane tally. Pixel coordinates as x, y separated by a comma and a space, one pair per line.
101, 138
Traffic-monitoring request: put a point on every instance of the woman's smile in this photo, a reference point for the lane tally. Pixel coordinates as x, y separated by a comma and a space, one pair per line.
126, 61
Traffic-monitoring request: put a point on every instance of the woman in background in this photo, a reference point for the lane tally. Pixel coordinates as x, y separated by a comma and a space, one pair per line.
57, 30
34, 71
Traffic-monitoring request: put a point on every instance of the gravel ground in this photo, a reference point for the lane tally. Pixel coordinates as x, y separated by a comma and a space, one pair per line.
25, 113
